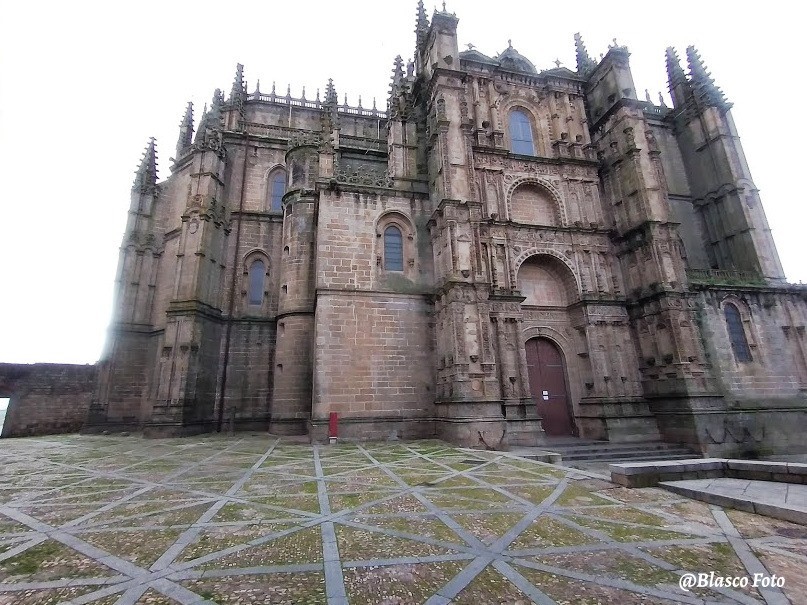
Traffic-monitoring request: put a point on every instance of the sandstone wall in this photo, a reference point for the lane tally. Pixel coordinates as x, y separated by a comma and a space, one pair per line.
46, 398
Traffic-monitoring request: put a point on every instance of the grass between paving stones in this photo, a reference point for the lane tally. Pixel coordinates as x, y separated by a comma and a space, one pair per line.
358, 545
756, 526
629, 533
305, 502
612, 564
567, 591
545, 532
402, 504
491, 587
487, 527
398, 584
303, 546
140, 547
342, 501
427, 526
692, 511
278, 588
581, 493
56, 515
46, 597
49, 560
534, 493
214, 539
626, 514
698, 558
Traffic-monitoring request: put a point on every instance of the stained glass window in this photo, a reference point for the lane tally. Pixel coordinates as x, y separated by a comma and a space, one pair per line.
257, 271
277, 187
393, 249
739, 343
521, 133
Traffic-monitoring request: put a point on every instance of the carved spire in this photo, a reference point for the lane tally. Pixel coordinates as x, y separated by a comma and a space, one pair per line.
400, 102
675, 75
397, 75
215, 116
238, 89
422, 25
680, 89
331, 114
585, 64
703, 85
146, 175
257, 87
330, 93
185, 130
212, 119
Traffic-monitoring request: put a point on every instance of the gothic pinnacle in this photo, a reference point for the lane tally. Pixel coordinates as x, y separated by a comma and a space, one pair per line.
215, 116
397, 73
146, 175
675, 74
422, 25
185, 130
238, 83
702, 82
330, 93
585, 64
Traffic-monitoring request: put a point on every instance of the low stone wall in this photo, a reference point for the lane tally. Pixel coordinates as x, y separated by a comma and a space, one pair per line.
45, 398
648, 474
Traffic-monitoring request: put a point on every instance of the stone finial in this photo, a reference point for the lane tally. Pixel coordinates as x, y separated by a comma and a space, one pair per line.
585, 64
258, 87
330, 93
661, 100
146, 174
238, 88
397, 72
422, 24
185, 130
703, 85
647, 96
675, 75
215, 117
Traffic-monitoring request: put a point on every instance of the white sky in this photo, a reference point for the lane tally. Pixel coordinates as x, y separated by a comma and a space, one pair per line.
84, 84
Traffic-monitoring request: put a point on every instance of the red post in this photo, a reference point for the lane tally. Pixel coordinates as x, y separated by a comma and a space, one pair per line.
333, 428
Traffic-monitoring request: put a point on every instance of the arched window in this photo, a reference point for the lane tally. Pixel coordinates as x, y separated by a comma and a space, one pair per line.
257, 271
277, 187
739, 343
393, 249
521, 133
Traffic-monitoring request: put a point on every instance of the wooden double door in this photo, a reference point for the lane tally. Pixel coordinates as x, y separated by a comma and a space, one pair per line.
547, 373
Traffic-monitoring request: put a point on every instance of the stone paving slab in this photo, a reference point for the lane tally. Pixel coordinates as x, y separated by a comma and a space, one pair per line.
786, 501
256, 519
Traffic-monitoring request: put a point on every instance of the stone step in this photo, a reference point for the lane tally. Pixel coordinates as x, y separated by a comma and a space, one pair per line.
631, 455
616, 449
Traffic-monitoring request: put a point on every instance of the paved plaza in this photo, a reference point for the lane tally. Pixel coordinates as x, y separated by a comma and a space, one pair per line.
255, 519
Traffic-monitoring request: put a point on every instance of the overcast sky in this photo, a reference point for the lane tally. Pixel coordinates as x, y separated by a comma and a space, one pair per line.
84, 84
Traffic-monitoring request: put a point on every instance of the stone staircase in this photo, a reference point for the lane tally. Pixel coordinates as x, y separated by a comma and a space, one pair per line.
586, 452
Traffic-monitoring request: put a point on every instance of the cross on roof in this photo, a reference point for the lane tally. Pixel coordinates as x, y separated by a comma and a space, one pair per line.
557, 62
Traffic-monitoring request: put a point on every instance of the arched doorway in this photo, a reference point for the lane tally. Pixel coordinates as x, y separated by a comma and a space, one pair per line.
547, 373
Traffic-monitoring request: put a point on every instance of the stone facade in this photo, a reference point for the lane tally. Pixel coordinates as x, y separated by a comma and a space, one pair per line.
306, 257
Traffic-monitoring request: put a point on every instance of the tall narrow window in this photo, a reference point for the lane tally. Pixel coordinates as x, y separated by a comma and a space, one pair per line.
521, 133
739, 343
277, 187
257, 271
393, 249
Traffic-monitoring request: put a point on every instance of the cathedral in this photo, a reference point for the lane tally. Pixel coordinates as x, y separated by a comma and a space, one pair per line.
503, 256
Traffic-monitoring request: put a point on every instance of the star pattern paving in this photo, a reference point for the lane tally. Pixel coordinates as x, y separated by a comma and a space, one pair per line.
257, 519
